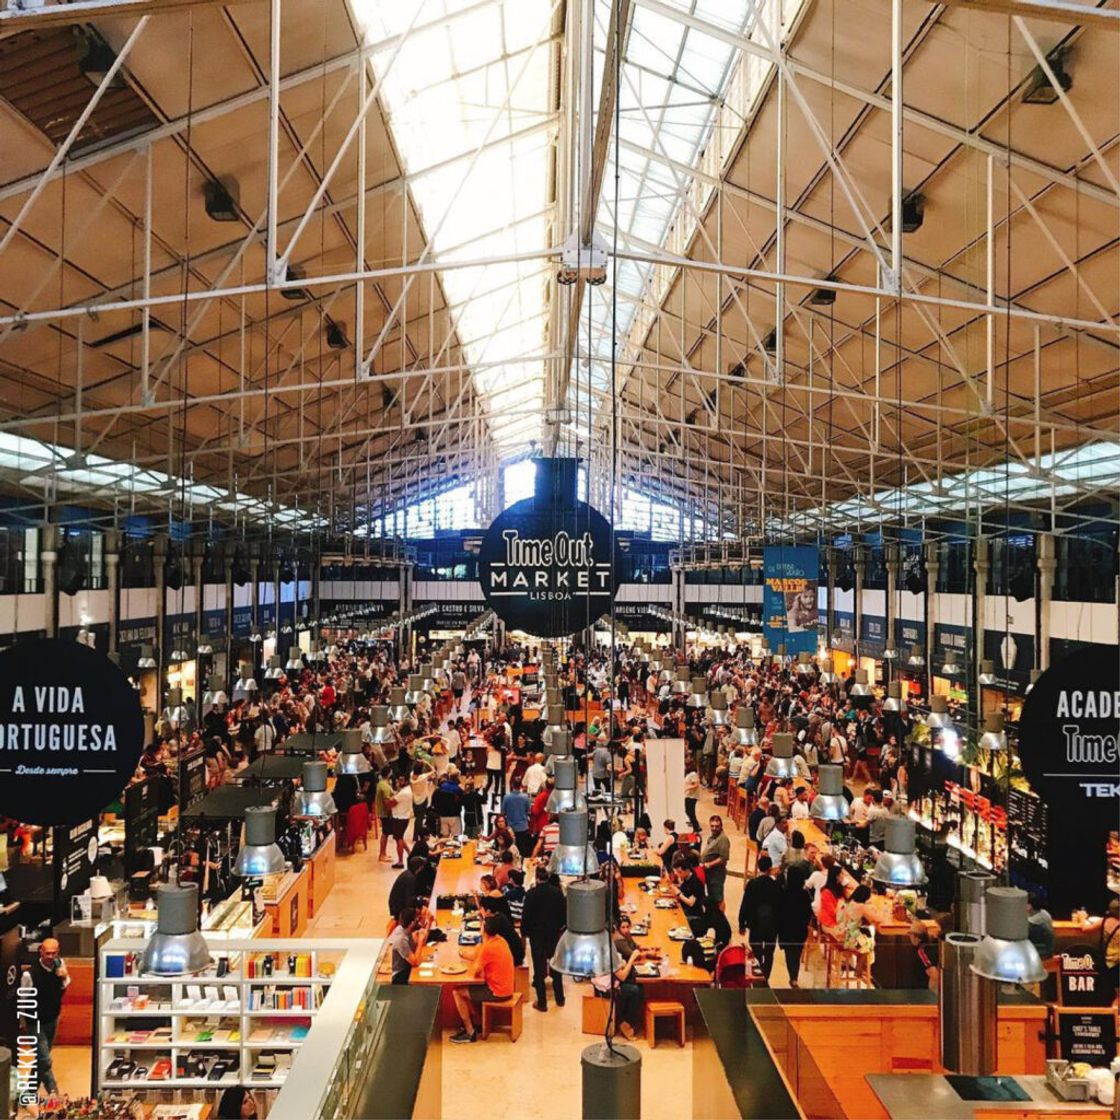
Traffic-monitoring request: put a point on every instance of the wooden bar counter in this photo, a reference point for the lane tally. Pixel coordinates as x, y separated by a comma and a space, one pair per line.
321, 868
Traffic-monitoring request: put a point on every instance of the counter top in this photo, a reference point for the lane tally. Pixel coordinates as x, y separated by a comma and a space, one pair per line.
918, 1096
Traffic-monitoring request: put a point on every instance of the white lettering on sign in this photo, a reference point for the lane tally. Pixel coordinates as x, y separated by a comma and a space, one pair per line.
1088, 705
1082, 748
563, 550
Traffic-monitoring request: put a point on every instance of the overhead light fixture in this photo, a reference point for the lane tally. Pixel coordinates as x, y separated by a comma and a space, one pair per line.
917, 658
204, 648
178, 655
895, 701
573, 855
744, 734
312, 798
681, 683
275, 670
566, 796
698, 698
174, 714
220, 196
586, 947
415, 691
398, 705
380, 730
214, 698
717, 712
176, 948
781, 764
913, 213
295, 660
994, 738
987, 673
830, 804
949, 667
294, 272
245, 686
861, 691
827, 674
1040, 90
1035, 674
938, 718
899, 865
1007, 954
351, 760
259, 855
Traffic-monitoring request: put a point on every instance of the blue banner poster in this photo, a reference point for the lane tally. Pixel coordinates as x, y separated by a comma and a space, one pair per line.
789, 598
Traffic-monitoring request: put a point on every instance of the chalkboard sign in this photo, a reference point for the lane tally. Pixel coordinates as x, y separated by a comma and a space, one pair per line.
1087, 1036
192, 779
75, 853
141, 821
1079, 980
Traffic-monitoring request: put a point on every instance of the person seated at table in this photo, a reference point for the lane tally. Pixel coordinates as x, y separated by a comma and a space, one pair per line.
514, 890
491, 978
854, 929
499, 907
503, 867
488, 889
503, 846
630, 998
668, 846
689, 891
639, 848
423, 849
499, 827
406, 940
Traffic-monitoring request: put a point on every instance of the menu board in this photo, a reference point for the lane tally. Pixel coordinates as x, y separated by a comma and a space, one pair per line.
1027, 844
141, 821
1087, 1036
75, 853
192, 779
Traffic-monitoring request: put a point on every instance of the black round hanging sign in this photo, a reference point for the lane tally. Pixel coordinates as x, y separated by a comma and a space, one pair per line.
548, 568
71, 732
1069, 738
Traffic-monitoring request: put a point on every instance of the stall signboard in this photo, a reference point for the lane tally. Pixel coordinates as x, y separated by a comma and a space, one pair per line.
192, 779
71, 732
789, 597
133, 634
179, 633
449, 614
548, 564
907, 633
242, 620
75, 856
872, 635
1087, 1036
214, 623
1069, 738
1079, 980
844, 630
957, 640
637, 616
141, 821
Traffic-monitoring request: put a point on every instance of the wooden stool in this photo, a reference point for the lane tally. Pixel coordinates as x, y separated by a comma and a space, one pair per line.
847, 968
494, 1007
596, 1012
664, 1009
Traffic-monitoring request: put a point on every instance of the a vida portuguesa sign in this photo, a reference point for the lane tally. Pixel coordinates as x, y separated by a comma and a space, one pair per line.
1069, 738
71, 732
546, 565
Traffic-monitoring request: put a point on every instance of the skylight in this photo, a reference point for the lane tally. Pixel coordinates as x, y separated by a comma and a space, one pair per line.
477, 87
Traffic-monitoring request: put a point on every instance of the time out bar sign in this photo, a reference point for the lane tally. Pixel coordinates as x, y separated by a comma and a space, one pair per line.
71, 732
546, 565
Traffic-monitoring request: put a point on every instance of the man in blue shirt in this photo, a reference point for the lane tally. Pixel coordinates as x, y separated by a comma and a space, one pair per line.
515, 808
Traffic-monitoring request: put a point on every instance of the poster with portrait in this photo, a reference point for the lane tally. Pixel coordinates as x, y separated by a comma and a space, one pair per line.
789, 597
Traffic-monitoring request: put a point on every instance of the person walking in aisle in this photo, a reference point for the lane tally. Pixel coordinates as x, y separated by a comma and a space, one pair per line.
758, 912
543, 917
515, 808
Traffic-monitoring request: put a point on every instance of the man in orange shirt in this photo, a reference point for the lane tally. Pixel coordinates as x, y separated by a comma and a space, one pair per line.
491, 978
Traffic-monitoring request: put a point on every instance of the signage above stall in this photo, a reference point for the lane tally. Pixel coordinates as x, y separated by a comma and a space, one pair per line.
1069, 737
789, 597
547, 563
71, 732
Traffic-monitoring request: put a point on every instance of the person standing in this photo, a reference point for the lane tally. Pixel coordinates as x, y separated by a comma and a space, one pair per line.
714, 858
383, 808
543, 917
401, 813
601, 762
758, 912
50, 978
691, 793
795, 912
515, 808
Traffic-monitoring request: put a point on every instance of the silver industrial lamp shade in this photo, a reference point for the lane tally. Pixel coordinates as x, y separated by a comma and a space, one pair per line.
698, 697
917, 658
312, 799
176, 948
586, 947
949, 667
295, 660
174, 713
890, 654
351, 760
744, 734
827, 674
899, 865
427, 683
574, 855
1006, 954
245, 685
830, 804
566, 796
994, 738
860, 688
214, 696
805, 666
680, 683
987, 673
146, 660
939, 718
178, 655
718, 713
781, 764
259, 854
204, 648
1035, 674
559, 743
380, 730
895, 701
398, 706
415, 689
275, 670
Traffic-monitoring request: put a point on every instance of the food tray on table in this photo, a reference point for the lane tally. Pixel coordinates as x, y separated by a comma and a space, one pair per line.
681, 933
665, 904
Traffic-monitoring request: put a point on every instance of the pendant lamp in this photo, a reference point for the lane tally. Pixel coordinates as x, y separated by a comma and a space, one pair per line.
781, 764
744, 734
895, 701
295, 660
380, 730
994, 738
917, 659
698, 697
830, 804
245, 686
680, 683
214, 698
312, 798
259, 854
415, 691
1007, 954
586, 947
398, 707
718, 713
938, 718
177, 948
146, 660
566, 795
351, 760
827, 675
574, 855
899, 865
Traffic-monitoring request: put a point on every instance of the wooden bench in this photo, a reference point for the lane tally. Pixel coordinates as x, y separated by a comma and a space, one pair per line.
664, 1009
494, 1007
596, 1012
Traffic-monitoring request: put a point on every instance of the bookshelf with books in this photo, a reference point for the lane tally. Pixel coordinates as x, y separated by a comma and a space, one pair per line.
241, 1022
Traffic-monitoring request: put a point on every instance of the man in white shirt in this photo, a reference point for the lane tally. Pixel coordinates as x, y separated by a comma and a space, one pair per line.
861, 809
535, 776
799, 810
401, 815
775, 843
264, 737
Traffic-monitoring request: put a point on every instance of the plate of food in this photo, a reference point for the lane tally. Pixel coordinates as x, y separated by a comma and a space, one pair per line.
665, 904
453, 969
680, 933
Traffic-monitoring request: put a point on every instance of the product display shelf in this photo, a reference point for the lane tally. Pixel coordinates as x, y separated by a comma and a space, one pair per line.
256, 1049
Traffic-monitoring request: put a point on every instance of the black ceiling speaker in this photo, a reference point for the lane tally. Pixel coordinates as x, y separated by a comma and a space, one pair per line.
287, 568
914, 577
336, 335
846, 578
240, 567
221, 200
388, 397
173, 568
294, 272
770, 342
72, 567
1021, 583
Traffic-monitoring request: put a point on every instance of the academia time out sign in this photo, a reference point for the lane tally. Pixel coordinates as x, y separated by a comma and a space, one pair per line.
547, 568
1069, 737
71, 732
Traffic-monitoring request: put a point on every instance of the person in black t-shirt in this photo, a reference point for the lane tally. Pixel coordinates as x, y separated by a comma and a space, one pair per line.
49, 977
690, 894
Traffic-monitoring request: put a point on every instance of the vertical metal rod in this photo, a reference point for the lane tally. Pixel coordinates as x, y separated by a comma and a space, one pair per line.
780, 205
80, 362
360, 290
896, 145
146, 337
990, 282
273, 140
